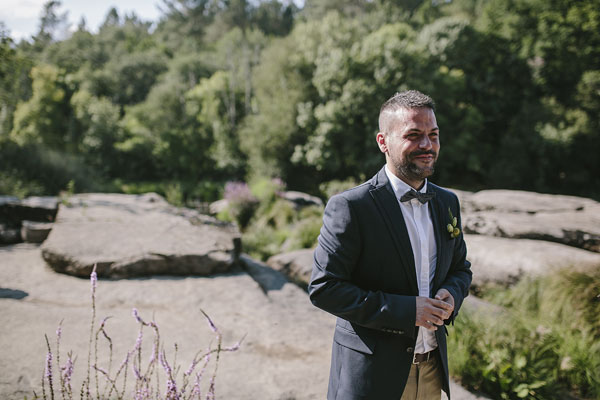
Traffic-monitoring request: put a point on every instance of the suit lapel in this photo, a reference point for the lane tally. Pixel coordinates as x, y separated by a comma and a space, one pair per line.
386, 201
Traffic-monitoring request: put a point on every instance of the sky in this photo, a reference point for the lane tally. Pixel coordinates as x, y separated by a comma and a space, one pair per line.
21, 17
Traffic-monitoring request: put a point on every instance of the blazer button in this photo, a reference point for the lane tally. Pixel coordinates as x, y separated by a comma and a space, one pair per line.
410, 350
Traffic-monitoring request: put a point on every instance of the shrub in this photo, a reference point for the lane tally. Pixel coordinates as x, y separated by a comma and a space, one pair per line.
241, 202
545, 344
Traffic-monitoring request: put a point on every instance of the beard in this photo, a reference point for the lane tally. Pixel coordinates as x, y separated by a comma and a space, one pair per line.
411, 170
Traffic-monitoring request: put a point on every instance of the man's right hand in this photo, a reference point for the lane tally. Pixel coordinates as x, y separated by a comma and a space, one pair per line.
431, 313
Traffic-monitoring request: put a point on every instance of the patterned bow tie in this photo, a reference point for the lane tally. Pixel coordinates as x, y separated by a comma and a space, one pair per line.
413, 194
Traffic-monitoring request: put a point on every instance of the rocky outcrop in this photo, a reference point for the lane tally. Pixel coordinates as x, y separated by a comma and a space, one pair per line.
300, 199
296, 265
35, 232
285, 353
569, 220
41, 209
13, 213
505, 261
137, 235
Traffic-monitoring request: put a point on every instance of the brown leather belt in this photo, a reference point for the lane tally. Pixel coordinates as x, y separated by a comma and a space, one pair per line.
423, 357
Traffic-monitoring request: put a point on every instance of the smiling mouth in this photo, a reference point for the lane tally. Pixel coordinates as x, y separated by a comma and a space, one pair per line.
424, 157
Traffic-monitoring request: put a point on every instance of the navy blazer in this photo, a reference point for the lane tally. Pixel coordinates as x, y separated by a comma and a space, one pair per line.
364, 273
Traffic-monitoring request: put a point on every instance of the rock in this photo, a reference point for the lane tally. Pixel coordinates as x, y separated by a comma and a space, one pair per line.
296, 265
519, 201
13, 210
137, 235
218, 206
285, 353
300, 199
9, 235
8, 199
569, 220
505, 261
35, 232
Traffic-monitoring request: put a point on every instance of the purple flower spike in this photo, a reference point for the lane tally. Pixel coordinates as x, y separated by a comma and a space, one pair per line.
67, 371
94, 279
137, 316
210, 323
138, 342
49, 366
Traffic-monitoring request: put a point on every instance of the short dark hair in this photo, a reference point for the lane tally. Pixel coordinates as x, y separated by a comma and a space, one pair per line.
406, 99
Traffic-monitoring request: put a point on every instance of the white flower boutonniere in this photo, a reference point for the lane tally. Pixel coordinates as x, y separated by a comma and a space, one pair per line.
452, 228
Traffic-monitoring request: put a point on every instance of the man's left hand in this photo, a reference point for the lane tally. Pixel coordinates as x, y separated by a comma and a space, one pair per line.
445, 295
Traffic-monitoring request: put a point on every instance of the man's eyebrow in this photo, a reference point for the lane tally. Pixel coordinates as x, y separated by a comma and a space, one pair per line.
418, 130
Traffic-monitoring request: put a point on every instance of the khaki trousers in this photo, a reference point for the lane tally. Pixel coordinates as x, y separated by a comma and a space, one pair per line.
424, 381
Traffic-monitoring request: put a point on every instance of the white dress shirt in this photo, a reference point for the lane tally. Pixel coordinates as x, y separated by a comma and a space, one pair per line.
422, 240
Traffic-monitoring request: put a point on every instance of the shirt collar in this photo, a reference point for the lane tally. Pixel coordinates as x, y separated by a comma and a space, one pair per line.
400, 187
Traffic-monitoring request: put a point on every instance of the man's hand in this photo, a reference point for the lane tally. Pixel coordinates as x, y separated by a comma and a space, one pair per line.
445, 295
431, 313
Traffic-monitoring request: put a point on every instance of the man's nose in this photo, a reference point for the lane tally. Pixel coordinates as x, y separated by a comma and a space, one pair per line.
425, 142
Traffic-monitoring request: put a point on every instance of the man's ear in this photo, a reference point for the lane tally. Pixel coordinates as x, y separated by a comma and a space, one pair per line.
380, 138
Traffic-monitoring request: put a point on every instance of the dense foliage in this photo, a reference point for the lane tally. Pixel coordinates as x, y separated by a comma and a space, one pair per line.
232, 90
543, 344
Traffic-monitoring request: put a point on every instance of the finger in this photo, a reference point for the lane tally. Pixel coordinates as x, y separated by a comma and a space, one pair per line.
442, 304
440, 313
436, 318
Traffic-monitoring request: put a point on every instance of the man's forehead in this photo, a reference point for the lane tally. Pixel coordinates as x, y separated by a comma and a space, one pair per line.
410, 116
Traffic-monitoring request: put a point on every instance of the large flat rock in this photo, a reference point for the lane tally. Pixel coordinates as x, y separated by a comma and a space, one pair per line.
569, 220
296, 265
285, 354
137, 235
505, 261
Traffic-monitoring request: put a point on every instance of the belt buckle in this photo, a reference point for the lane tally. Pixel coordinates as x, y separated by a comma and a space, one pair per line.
428, 356
414, 360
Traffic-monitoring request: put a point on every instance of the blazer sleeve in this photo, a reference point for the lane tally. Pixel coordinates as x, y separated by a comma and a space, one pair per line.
331, 287
459, 276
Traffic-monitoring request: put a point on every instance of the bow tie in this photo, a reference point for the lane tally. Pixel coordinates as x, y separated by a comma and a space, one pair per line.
413, 194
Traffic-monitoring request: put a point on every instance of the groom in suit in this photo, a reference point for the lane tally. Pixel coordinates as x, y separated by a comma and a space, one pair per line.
391, 265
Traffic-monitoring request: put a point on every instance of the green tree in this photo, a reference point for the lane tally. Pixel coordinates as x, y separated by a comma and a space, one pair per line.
44, 118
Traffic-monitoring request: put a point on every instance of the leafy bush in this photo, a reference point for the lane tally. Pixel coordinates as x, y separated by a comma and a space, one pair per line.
545, 344
330, 188
34, 169
263, 242
241, 202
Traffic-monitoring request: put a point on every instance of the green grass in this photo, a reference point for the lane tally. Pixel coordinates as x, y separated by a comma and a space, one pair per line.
545, 344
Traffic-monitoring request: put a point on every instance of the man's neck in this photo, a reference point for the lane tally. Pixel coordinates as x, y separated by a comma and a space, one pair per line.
399, 181
415, 184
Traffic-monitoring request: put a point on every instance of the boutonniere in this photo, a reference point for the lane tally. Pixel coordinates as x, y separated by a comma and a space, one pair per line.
452, 228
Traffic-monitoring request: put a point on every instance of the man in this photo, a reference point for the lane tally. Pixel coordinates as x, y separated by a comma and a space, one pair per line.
389, 268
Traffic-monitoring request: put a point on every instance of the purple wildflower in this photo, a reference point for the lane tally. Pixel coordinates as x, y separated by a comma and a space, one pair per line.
142, 394
211, 389
49, 366
238, 192
136, 372
210, 323
94, 279
153, 355
67, 371
137, 316
138, 342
